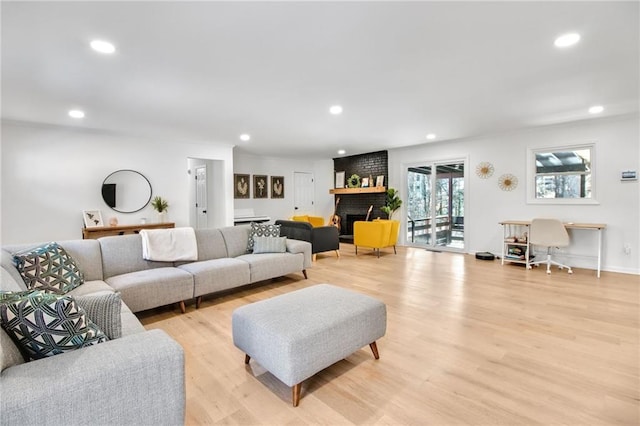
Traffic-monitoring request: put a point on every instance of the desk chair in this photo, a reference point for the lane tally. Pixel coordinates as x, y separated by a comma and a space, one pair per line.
549, 233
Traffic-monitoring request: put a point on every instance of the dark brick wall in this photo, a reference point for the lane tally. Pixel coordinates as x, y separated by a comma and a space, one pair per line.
364, 165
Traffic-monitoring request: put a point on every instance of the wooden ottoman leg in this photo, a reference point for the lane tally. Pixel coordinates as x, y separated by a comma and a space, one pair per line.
247, 358
374, 349
295, 394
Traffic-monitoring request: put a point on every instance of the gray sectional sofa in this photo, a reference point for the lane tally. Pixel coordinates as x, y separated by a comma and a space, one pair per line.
139, 377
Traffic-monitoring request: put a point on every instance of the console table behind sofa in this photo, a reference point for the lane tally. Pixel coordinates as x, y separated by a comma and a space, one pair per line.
106, 231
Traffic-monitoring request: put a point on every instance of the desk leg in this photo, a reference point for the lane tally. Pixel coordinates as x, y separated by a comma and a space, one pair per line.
599, 249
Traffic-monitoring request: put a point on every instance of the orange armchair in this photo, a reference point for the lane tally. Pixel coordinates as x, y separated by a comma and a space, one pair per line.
377, 234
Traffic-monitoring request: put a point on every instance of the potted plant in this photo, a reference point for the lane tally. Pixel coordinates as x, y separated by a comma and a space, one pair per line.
392, 203
160, 205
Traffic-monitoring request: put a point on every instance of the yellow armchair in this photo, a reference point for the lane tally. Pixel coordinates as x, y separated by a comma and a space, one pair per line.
377, 234
315, 221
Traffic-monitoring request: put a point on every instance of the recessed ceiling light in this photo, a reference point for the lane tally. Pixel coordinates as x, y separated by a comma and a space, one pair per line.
596, 109
103, 46
245, 137
431, 136
335, 110
567, 40
76, 113
341, 152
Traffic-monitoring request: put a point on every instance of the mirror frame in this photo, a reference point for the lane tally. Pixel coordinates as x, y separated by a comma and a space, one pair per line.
127, 211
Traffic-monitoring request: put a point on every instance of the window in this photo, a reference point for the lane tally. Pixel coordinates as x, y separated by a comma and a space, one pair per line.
561, 175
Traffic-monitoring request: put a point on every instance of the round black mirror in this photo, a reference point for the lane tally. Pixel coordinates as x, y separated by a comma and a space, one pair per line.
126, 191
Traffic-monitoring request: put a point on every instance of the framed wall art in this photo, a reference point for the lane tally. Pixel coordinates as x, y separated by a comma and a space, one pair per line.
92, 218
277, 186
260, 189
380, 180
241, 186
339, 180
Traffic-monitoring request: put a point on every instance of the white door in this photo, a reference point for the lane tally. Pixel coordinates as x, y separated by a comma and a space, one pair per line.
201, 197
303, 193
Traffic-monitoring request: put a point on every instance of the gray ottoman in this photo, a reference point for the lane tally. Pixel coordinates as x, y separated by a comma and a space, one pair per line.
297, 334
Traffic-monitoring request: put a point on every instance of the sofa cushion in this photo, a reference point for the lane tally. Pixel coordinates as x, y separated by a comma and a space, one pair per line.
270, 265
261, 230
122, 254
48, 267
46, 324
269, 245
8, 281
104, 311
151, 288
215, 275
210, 244
235, 239
91, 287
9, 353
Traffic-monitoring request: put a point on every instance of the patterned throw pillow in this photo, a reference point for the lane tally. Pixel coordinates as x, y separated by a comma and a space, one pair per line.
46, 324
49, 268
269, 245
104, 310
259, 230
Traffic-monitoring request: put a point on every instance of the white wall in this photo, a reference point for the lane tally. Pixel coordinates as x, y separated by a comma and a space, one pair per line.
284, 208
50, 174
616, 141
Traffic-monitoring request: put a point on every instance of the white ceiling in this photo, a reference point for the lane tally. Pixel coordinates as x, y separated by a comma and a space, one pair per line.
209, 71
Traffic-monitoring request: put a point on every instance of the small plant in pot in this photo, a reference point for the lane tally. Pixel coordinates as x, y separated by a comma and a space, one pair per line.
392, 203
160, 205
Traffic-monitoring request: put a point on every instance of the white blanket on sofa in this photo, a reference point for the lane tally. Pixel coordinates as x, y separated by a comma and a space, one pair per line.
169, 245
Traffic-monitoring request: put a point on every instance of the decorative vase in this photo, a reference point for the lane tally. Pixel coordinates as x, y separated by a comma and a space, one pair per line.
162, 217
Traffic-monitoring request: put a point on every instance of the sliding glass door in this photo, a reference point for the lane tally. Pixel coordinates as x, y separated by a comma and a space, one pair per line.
436, 205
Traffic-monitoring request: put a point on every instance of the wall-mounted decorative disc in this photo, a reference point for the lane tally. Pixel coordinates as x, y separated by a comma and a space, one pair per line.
484, 170
508, 182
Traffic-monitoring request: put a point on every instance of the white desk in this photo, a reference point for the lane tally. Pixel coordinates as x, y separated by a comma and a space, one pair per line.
569, 225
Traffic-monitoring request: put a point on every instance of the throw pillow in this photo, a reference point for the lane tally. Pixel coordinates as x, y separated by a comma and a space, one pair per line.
49, 268
104, 310
260, 230
46, 324
269, 245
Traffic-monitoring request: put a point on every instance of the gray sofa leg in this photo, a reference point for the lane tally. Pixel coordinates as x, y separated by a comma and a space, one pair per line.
198, 301
183, 308
304, 272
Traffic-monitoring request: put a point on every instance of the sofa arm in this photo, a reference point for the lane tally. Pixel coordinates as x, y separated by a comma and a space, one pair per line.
295, 230
137, 379
297, 246
325, 238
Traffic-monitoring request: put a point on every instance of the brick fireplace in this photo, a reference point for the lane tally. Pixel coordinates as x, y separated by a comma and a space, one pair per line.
355, 206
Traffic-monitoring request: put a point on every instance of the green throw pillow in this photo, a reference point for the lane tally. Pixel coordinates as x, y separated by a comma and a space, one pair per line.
49, 268
269, 245
259, 230
46, 324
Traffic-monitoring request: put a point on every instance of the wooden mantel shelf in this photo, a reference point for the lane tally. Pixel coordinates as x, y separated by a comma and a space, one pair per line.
371, 190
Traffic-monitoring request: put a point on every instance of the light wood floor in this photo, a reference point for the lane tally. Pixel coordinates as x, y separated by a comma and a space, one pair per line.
468, 342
